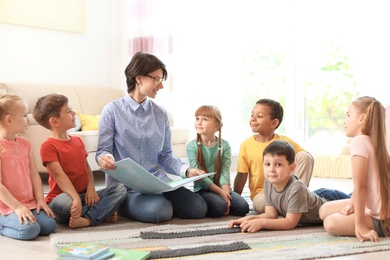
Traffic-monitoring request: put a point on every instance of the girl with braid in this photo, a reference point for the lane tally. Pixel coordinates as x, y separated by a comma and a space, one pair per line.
213, 154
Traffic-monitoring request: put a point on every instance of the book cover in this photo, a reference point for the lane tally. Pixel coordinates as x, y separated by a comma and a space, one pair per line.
139, 179
82, 251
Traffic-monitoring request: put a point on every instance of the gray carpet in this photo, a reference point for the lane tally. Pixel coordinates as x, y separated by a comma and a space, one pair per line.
187, 238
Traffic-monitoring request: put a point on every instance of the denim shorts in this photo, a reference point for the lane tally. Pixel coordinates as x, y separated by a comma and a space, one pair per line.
378, 227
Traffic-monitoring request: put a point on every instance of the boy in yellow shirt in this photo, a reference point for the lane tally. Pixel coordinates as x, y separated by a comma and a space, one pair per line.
266, 117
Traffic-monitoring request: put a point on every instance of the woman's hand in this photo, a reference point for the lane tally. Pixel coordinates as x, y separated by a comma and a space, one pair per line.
191, 172
106, 162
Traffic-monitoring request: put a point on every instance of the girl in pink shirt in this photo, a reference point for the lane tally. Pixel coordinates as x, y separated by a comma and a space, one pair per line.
367, 213
24, 213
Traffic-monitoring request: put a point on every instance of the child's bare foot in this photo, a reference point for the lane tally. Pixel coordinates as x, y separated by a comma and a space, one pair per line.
112, 219
79, 222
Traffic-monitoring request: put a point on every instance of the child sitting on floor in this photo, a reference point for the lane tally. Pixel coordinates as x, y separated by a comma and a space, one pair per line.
72, 195
366, 214
213, 154
23, 212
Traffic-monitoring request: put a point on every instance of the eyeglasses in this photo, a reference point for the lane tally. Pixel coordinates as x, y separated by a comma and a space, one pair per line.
157, 79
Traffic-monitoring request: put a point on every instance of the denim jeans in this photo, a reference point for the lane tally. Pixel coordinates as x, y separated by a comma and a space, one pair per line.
11, 227
216, 205
330, 194
110, 200
156, 208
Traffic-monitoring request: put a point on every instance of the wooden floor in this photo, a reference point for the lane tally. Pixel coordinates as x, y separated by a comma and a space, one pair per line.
41, 249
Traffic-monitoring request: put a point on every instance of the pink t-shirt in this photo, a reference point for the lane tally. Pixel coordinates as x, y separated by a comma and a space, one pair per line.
15, 172
361, 145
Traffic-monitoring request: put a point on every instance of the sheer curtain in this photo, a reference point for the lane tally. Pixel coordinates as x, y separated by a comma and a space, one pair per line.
148, 30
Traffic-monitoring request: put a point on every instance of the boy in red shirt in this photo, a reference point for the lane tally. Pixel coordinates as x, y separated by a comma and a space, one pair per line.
72, 196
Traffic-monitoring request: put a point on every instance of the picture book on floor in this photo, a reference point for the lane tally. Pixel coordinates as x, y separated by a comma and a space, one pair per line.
85, 251
137, 178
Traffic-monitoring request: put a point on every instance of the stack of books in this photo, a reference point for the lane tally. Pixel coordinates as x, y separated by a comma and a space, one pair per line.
85, 251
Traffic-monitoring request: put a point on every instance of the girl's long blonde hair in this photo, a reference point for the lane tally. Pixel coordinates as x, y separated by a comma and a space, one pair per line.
375, 127
210, 112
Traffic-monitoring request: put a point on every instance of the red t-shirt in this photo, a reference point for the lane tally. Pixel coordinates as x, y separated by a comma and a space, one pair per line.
71, 155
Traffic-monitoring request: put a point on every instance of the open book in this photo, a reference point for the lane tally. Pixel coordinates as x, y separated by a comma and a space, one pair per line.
137, 178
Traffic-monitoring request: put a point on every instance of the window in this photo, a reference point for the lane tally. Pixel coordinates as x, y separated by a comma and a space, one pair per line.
313, 57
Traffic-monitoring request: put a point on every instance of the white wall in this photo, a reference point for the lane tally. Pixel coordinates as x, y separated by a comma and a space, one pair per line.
99, 56
96, 57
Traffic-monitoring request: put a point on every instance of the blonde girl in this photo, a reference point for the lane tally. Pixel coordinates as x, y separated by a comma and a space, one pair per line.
23, 212
213, 154
367, 213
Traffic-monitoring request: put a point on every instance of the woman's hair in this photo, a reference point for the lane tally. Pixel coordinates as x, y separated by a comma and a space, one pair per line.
281, 148
375, 127
48, 106
141, 65
276, 108
8, 105
210, 112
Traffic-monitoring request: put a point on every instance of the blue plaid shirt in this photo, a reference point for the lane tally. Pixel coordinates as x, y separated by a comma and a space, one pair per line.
141, 132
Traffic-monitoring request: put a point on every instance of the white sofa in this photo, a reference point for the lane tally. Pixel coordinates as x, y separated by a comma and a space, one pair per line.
86, 100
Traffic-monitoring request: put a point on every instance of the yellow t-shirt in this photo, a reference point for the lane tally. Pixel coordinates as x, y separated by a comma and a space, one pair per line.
250, 160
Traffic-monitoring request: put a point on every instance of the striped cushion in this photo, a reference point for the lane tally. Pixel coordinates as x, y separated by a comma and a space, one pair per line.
332, 166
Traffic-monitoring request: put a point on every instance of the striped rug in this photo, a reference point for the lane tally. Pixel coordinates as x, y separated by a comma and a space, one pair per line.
205, 238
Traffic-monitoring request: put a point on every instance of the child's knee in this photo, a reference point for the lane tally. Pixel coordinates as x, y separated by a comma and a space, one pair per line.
321, 213
259, 203
29, 231
121, 190
48, 226
241, 210
331, 225
62, 199
328, 224
61, 206
304, 157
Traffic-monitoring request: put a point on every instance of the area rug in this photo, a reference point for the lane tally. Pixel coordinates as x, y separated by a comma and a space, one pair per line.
199, 239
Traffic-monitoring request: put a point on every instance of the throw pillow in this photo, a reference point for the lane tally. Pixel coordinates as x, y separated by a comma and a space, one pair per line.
78, 125
88, 122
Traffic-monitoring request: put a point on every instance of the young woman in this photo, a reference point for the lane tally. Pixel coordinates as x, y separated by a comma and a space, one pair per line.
367, 213
212, 154
134, 126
